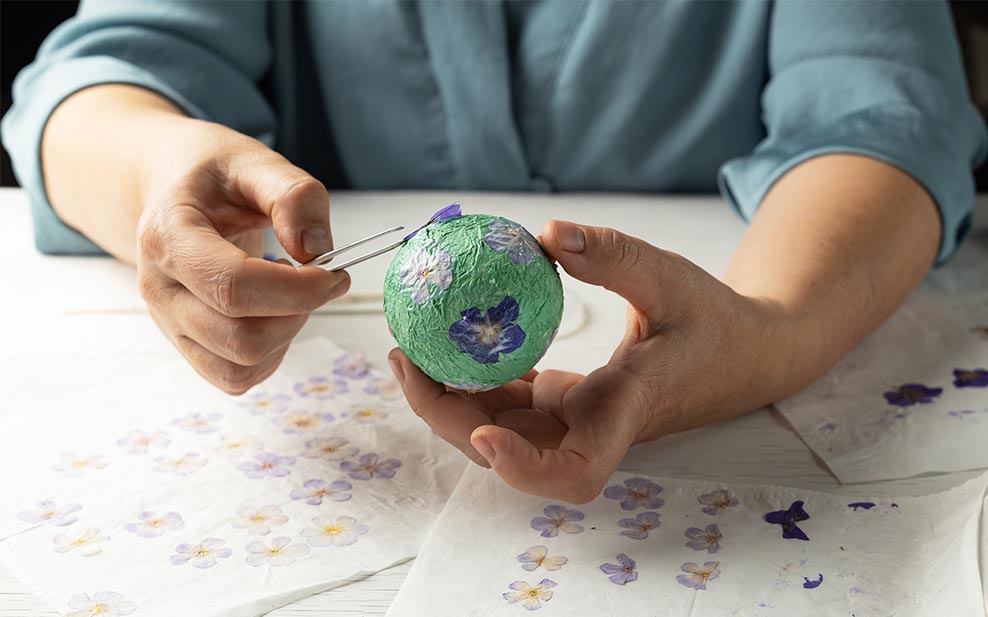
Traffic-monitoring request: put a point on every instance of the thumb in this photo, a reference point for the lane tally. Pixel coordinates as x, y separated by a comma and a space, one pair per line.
630, 267
296, 203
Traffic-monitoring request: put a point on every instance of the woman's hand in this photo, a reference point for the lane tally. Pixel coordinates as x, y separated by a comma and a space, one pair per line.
694, 351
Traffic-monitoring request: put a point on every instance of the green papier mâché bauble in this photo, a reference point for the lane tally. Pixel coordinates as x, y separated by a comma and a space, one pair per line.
473, 301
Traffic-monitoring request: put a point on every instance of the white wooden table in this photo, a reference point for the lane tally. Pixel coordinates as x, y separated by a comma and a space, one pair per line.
67, 305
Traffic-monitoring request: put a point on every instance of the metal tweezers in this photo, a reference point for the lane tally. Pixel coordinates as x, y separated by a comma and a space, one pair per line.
326, 258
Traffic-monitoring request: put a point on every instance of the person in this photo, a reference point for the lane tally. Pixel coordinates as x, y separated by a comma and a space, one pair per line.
841, 130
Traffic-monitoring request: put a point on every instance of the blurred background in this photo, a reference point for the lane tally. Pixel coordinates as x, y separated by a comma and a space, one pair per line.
25, 23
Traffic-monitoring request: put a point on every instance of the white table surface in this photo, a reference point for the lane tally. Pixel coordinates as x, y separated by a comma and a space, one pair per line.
58, 306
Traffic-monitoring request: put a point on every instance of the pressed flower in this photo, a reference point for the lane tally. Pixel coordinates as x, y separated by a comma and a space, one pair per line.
258, 521
697, 577
202, 555
267, 464
808, 584
314, 491
513, 240
139, 442
102, 603
198, 423
704, 539
426, 274
637, 528
909, 394
788, 519
716, 501
636, 493
486, 337
74, 466
538, 557
451, 211
330, 531
529, 596
232, 447
973, 378
368, 466
86, 542
321, 387
302, 421
622, 572
365, 414
353, 366
556, 519
151, 525
861, 505
388, 389
182, 465
329, 448
260, 403
50, 512
281, 552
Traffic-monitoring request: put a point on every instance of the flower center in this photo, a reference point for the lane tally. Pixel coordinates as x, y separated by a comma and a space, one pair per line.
202, 552
533, 593
490, 335
331, 530
256, 518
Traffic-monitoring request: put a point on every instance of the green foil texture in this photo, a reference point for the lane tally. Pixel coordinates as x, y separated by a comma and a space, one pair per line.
482, 277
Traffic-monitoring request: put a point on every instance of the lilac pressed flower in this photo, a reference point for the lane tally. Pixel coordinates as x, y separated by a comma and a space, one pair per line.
267, 464
365, 413
302, 421
152, 525
138, 442
368, 466
202, 555
973, 378
426, 274
258, 521
861, 505
909, 394
637, 528
352, 366
73, 466
232, 447
451, 211
513, 240
529, 596
636, 493
808, 584
329, 531
538, 557
329, 448
181, 465
260, 403
314, 491
321, 387
697, 577
485, 337
716, 501
281, 552
84, 541
704, 539
556, 519
108, 603
388, 389
788, 519
621, 573
50, 512
198, 423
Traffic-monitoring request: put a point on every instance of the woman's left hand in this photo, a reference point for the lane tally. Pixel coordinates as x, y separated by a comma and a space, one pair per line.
694, 351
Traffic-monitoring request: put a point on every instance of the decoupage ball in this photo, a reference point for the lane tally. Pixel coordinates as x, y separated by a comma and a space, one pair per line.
473, 301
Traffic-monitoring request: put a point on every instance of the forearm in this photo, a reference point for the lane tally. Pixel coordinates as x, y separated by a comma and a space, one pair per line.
838, 243
96, 152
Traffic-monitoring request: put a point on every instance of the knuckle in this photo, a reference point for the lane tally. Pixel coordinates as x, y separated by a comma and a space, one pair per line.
232, 297
248, 343
305, 190
234, 379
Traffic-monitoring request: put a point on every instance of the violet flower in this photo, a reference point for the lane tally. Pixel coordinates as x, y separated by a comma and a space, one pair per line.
697, 577
717, 501
621, 573
529, 596
453, 210
637, 528
485, 337
808, 584
909, 394
788, 519
513, 240
267, 464
425, 274
704, 539
313, 491
556, 519
368, 466
974, 378
636, 493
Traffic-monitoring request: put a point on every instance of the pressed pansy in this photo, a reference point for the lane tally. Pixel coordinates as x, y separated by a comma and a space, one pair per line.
557, 518
302, 421
368, 466
232, 447
636, 493
258, 521
181, 465
453, 210
697, 577
622, 572
536, 557
50, 512
314, 491
202, 555
353, 366
330, 531
102, 603
321, 387
281, 552
329, 448
973, 378
808, 584
139, 442
716, 501
426, 274
513, 240
151, 525
260, 403
529, 596
909, 394
74, 466
637, 528
388, 389
365, 414
267, 464
86, 542
198, 422
704, 539
788, 519
486, 336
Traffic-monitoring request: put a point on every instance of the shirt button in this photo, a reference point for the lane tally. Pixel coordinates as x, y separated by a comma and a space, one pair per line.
538, 184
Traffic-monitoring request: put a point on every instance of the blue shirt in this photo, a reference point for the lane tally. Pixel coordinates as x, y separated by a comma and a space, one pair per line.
545, 96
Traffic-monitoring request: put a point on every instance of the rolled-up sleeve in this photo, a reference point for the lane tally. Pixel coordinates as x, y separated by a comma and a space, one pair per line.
879, 79
206, 57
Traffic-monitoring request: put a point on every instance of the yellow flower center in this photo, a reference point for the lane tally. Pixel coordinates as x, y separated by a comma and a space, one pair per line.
256, 518
426, 272
274, 551
490, 335
202, 552
331, 530
100, 608
364, 413
533, 592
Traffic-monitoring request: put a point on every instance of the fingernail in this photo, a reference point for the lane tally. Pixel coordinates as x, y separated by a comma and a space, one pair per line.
485, 448
570, 237
399, 372
315, 240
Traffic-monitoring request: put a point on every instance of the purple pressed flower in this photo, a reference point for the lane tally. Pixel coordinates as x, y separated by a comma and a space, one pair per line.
484, 337
704, 539
321, 387
536, 557
138, 442
258, 521
637, 528
529, 596
50, 512
198, 423
717, 501
808, 584
636, 493
556, 519
697, 577
74, 466
302, 421
261, 403
152, 525
352, 366
513, 240
182, 465
108, 603
622, 572
788, 519
281, 552
909, 394
451, 211
388, 389
267, 464
329, 531
202, 555
425, 274
974, 378
314, 491
368, 466
861, 505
